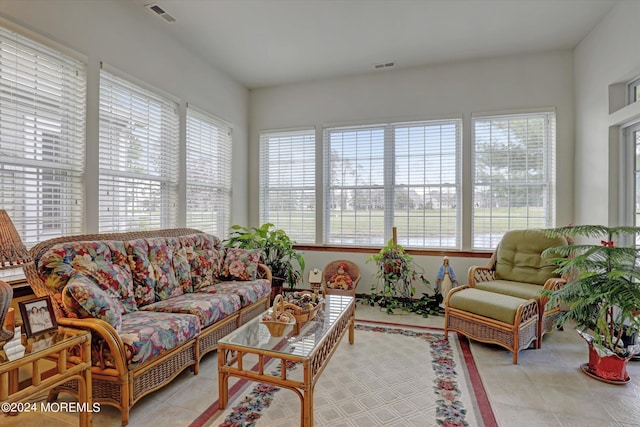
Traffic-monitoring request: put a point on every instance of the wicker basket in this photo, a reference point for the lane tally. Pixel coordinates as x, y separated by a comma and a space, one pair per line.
303, 315
277, 327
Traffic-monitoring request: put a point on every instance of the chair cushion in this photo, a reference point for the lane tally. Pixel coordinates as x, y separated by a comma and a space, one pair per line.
487, 304
209, 308
82, 297
147, 334
514, 289
519, 256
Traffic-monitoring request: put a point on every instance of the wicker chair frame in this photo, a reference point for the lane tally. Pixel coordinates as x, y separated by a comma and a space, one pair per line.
547, 317
332, 268
118, 385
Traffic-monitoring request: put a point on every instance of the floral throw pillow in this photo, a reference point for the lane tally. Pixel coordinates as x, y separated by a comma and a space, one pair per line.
85, 299
241, 264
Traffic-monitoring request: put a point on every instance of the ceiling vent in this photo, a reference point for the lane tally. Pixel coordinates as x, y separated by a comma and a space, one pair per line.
384, 66
160, 11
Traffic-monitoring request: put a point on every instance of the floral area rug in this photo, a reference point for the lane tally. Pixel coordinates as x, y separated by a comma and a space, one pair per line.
391, 376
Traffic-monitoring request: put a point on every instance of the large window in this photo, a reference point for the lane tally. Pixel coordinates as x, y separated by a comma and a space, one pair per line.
513, 175
42, 139
632, 137
138, 157
399, 174
208, 173
288, 182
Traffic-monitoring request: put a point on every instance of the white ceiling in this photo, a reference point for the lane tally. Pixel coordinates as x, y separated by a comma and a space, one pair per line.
262, 43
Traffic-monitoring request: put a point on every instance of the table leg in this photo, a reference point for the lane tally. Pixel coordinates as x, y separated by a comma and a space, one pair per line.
223, 380
307, 408
352, 329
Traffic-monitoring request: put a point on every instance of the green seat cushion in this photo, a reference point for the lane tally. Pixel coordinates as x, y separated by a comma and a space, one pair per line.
519, 256
487, 304
514, 289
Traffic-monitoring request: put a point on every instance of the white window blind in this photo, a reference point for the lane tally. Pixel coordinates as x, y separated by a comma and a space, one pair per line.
42, 139
405, 175
427, 183
287, 182
514, 175
209, 148
356, 200
138, 157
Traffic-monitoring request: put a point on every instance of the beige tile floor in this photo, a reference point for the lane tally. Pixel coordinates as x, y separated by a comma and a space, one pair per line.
546, 388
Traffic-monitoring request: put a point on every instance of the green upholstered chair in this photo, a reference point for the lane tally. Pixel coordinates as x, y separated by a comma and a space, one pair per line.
518, 269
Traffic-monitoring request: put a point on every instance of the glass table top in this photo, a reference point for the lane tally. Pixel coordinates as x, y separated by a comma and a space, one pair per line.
255, 335
37, 344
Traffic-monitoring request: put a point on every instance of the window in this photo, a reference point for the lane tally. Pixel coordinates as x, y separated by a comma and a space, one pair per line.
634, 91
400, 174
208, 173
513, 175
138, 157
632, 135
287, 182
42, 139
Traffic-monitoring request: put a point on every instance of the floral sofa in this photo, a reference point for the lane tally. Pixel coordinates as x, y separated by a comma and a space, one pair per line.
155, 302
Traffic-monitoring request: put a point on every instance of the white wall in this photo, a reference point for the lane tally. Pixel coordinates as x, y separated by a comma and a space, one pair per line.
137, 42
499, 84
610, 54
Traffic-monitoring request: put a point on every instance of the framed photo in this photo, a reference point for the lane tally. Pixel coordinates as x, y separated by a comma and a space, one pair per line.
38, 316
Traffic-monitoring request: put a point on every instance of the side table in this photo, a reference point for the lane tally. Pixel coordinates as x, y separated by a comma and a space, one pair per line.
70, 350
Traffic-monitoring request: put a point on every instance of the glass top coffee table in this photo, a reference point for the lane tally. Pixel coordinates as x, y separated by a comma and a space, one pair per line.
312, 347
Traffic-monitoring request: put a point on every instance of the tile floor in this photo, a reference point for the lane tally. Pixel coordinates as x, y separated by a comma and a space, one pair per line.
546, 388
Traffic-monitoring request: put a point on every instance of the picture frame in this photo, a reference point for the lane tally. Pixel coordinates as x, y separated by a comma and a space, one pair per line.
38, 316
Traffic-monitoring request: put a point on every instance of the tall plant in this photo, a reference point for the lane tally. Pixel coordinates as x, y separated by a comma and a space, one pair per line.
286, 263
603, 296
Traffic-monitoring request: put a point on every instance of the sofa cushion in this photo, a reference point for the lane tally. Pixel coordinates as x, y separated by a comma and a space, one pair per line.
241, 264
161, 259
105, 262
84, 299
209, 308
514, 289
181, 265
249, 292
519, 256
205, 257
147, 334
144, 279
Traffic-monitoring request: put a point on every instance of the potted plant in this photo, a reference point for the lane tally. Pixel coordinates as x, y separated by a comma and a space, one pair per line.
602, 296
396, 273
286, 264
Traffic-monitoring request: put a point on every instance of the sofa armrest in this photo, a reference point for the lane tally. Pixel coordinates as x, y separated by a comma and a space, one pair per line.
480, 274
552, 284
264, 272
102, 335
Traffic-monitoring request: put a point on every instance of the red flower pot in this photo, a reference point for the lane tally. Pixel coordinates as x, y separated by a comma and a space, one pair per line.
612, 368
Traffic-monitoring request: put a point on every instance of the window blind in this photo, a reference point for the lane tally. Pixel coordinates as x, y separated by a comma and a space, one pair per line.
514, 175
287, 182
356, 199
406, 175
427, 183
209, 148
138, 138
42, 139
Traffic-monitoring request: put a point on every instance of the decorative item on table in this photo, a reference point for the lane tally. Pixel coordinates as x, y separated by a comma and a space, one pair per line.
446, 279
13, 254
277, 319
303, 305
38, 316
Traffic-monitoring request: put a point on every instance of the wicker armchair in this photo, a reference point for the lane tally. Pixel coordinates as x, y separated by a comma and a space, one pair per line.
518, 269
331, 269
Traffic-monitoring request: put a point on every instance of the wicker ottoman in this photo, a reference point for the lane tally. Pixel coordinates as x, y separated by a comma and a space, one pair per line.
492, 318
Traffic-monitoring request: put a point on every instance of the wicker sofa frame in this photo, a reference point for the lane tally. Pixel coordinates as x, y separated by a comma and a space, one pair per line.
119, 386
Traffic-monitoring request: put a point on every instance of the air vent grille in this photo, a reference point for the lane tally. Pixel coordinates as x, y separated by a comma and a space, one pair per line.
384, 66
160, 11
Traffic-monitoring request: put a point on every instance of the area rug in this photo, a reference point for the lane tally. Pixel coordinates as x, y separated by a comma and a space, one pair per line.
394, 375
